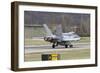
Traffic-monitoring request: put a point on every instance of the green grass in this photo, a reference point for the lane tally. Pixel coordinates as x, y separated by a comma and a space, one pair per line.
64, 55
32, 57
35, 42
76, 54
84, 39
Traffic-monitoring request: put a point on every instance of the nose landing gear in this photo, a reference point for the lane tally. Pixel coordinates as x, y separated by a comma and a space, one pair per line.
66, 46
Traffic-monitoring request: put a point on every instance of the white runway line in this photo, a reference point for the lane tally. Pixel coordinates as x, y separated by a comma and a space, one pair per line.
52, 50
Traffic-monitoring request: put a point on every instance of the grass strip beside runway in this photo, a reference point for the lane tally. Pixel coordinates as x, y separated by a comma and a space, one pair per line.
64, 55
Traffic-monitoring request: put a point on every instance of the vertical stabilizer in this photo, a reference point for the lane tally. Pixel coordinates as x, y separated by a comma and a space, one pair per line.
59, 31
48, 31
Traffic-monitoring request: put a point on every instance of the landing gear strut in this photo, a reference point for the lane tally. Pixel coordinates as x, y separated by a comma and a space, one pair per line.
55, 44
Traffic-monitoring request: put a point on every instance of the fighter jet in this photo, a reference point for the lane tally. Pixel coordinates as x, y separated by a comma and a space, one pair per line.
60, 38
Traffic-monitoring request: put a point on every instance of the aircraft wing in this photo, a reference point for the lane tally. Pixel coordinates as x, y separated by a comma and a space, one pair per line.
70, 36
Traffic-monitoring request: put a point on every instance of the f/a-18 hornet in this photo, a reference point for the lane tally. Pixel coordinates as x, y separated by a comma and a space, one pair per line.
60, 38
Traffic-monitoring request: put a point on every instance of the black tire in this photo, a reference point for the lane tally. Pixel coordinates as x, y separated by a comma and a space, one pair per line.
53, 46
70, 46
66, 46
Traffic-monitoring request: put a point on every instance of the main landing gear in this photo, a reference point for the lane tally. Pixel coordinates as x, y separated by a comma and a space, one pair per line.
54, 45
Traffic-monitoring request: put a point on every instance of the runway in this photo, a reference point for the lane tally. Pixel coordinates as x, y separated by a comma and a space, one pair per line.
58, 49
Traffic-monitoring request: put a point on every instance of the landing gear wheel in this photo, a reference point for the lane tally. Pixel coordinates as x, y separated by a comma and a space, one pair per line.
66, 46
70, 46
53, 46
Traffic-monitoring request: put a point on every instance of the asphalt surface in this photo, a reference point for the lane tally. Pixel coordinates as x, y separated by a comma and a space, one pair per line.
58, 49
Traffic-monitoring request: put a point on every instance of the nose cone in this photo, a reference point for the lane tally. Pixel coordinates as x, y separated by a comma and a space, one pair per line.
76, 36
